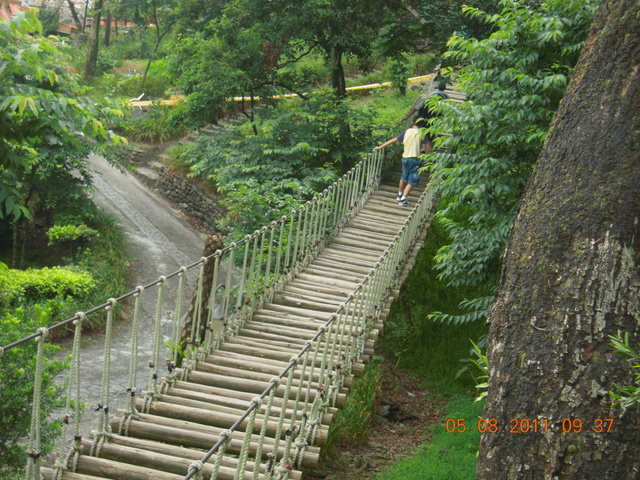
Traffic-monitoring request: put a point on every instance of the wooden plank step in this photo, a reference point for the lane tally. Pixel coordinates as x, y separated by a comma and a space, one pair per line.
301, 301
199, 392
103, 468
242, 384
334, 251
345, 265
218, 403
150, 427
381, 227
385, 238
213, 418
332, 282
314, 286
168, 463
325, 297
351, 260
335, 273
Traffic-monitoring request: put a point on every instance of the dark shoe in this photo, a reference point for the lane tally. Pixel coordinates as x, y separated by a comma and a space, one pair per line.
403, 203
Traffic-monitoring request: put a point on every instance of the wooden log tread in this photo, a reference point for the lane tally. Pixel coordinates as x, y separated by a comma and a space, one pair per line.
185, 421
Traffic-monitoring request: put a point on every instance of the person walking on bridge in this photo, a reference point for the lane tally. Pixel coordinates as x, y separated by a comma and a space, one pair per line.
413, 139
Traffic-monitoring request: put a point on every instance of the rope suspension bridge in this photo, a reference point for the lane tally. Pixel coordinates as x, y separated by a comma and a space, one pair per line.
248, 371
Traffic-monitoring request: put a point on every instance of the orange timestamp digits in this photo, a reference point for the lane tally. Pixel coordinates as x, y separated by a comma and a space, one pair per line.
527, 425
577, 425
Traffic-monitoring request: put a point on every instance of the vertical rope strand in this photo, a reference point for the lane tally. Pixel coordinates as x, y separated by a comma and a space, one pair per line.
35, 442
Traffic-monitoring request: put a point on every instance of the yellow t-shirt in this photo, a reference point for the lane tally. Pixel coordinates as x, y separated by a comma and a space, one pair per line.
412, 141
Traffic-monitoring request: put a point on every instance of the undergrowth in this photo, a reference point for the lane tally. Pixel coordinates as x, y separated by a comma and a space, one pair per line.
352, 422
449, 455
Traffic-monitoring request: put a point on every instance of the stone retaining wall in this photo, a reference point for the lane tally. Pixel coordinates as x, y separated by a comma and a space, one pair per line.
186, 196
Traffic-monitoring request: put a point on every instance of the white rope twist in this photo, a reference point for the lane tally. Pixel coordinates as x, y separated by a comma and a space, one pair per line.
1, 351
257, 400
44, 332
197, 465
112, 302
139, 290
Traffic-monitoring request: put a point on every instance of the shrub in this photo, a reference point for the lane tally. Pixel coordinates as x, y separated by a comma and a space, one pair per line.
32, 285
155, 127
70, 233
302, 148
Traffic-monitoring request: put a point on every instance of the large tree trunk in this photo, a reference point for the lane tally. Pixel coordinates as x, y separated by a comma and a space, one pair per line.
571, 278
337, 72
91, 64
107, 30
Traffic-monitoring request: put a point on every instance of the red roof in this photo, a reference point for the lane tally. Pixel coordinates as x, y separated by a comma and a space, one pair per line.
9, 9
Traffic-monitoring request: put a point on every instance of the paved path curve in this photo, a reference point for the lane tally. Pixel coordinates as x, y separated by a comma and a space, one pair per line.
160, 242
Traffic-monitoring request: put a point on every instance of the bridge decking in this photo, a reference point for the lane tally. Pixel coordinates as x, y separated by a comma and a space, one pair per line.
186, 421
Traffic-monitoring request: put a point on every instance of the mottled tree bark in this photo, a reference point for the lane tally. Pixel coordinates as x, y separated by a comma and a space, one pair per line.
91, 63
571, 278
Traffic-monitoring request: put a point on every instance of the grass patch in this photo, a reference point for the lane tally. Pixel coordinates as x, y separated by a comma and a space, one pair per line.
352, 422
449, 456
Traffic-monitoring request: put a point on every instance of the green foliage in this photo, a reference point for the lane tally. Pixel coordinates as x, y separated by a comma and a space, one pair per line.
399, 73
47, 126
448, 456
300, 149
70, 233
481, 364
352, 422
33, 285
514, 81
49, 18
17, 367
627, 395
157, 125
429, 348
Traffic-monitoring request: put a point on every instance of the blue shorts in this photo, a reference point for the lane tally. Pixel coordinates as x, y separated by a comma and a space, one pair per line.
410, 172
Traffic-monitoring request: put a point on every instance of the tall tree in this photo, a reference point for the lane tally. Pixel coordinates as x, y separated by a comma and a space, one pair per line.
570, 280
340, 29
91, 64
